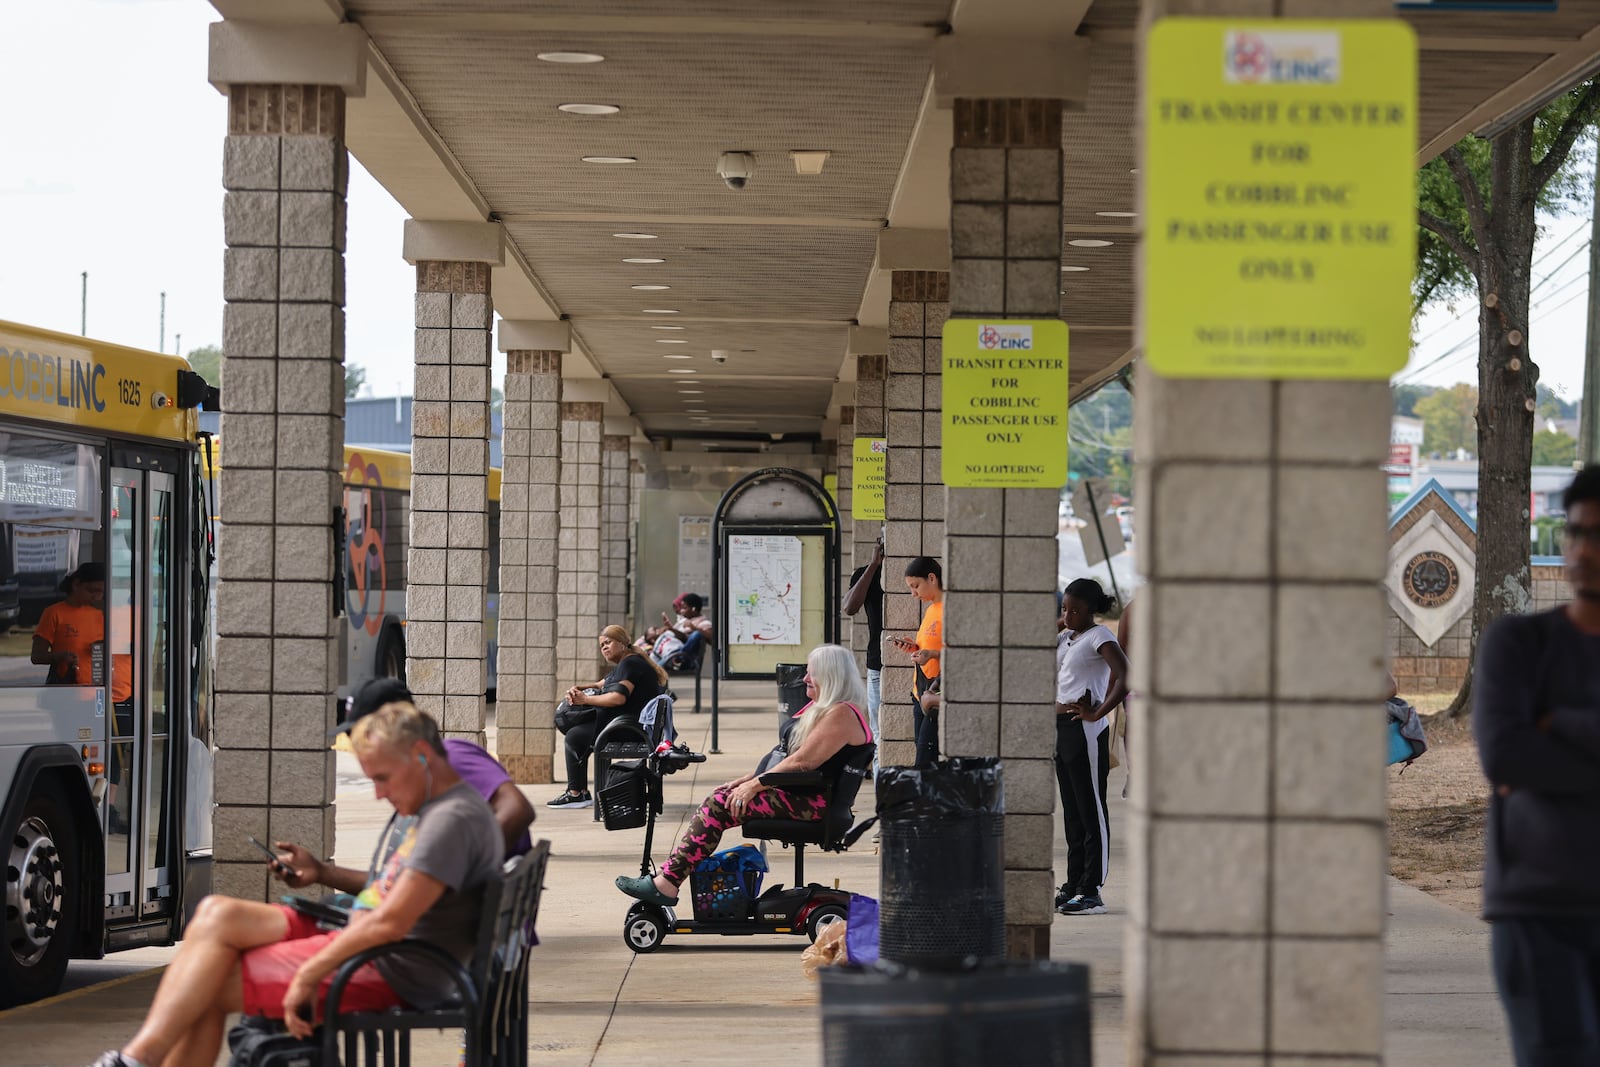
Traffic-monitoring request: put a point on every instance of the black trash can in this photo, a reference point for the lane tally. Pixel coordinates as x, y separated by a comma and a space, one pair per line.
791, 693
1023, 1013
941, 852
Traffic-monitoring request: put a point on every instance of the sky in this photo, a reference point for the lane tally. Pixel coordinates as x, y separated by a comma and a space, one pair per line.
114, 166
1446, 339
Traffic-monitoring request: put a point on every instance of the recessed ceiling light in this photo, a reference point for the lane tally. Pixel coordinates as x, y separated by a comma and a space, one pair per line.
609, 159
658, 311
1085, 242
670, 341
589, 109
1072, 269
650, 288
692, 392
676, 355
570, 57
1118, 214
695, 411
635, 236
643, 259
669, 327
680, 370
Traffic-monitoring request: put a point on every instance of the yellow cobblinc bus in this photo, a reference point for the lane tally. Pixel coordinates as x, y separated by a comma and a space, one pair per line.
105, 553
377, 529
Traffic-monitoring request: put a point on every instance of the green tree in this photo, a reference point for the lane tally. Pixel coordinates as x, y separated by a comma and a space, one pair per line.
207, 362
1552, 448
1551, 405
355, 376
1447, 419
1406, 397
1100, 438
1478, 213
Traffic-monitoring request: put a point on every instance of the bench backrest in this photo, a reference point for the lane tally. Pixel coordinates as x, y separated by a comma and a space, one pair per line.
505, 933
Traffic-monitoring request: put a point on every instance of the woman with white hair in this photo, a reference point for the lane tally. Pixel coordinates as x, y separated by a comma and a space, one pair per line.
829, 732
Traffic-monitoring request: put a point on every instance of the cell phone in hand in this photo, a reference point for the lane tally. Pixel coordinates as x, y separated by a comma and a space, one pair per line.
272, 856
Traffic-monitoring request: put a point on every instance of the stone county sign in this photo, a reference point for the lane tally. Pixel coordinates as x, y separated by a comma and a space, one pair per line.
1431, 574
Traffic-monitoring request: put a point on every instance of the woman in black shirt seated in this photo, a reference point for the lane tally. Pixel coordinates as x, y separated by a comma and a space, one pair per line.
634, 681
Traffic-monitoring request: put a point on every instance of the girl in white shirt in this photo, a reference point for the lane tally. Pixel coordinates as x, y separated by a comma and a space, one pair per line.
1091, 680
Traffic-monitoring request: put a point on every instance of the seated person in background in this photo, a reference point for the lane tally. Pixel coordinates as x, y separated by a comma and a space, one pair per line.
664, 642
267, 960
512, 810
828, 734
634, 681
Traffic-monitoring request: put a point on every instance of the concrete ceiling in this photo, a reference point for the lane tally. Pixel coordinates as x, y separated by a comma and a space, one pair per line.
460, 121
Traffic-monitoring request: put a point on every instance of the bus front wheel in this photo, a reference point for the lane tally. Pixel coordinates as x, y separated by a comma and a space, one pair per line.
39, 919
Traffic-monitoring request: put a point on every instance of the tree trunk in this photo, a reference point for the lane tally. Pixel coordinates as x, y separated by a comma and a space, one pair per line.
1507, 379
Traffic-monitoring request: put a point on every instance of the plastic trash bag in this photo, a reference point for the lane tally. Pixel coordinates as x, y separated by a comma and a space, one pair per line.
861, 931
827, 951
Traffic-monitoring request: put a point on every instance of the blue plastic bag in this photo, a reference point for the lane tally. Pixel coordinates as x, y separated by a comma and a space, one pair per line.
861, 931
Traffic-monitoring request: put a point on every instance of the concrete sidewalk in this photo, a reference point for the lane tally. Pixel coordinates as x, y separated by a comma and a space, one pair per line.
596, 1003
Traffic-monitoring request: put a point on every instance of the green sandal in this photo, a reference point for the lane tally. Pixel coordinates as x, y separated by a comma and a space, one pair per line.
643, 888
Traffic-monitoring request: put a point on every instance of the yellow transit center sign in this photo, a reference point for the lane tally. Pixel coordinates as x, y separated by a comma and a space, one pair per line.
1280, 198
869, 470
1005, 404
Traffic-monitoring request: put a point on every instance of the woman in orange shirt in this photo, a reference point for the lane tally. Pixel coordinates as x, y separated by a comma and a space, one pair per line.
925, 579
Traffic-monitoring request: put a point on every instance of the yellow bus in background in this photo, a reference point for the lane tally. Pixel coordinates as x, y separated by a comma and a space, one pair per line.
372, 558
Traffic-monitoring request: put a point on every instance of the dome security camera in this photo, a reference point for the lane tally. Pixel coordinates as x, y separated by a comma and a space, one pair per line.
736, 169
719, 355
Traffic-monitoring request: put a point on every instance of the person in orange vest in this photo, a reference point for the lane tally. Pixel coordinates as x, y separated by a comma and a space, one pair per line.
68, 631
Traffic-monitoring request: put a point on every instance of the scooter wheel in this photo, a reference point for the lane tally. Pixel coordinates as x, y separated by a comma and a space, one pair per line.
826, 915
643, 931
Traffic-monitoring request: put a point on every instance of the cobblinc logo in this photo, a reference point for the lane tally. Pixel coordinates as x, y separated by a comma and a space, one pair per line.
1268, 58
1006, 337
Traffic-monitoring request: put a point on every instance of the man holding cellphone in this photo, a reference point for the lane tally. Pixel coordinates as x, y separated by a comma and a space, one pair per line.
296, 867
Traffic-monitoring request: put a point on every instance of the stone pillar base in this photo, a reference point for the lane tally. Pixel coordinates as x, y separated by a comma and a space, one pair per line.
529, 770
1027, 942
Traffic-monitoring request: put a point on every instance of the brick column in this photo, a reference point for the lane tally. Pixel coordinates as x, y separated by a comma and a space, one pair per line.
919, 302
635, 490
842, 499
448, 560
578, 574
1000, 552
869, 422
1257, 824
280, 651
529, 522
614, 529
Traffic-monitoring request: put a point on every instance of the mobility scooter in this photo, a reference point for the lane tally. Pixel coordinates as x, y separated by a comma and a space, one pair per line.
726, 901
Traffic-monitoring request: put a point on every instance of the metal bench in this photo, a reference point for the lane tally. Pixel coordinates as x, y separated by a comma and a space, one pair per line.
491, 1001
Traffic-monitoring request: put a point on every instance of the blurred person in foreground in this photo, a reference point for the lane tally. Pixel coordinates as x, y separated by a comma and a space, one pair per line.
1536, 716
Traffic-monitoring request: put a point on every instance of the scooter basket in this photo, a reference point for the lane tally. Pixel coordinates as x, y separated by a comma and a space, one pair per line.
625, 802
725, 885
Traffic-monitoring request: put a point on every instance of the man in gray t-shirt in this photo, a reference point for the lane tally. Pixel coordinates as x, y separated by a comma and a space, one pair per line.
449, 840
268, 960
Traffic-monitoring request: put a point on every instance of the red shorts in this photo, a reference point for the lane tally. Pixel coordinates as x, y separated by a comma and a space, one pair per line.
265, 973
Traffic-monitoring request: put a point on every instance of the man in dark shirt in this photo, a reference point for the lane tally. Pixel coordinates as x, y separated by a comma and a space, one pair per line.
866, 593
1536, 715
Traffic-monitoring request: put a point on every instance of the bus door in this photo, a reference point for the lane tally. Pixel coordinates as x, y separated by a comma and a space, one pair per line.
148, 668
